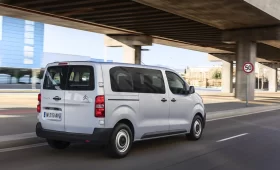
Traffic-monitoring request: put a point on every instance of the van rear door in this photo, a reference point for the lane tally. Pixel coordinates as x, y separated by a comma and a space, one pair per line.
80, 96
52, 115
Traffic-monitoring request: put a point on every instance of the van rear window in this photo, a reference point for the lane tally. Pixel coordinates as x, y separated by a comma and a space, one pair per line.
69, 78
80, 78
55, 78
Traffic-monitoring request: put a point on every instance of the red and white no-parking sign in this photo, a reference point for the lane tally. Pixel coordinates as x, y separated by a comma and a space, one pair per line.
248, 67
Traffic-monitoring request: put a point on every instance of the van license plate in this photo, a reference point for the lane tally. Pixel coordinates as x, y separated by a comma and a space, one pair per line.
52, 116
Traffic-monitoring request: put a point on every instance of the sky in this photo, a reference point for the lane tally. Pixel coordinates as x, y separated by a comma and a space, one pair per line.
76, 42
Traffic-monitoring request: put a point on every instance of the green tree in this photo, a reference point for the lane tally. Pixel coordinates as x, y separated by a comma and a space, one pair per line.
40, 75
17, 73
217, 74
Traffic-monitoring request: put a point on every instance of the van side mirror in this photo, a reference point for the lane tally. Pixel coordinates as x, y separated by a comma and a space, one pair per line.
191, 90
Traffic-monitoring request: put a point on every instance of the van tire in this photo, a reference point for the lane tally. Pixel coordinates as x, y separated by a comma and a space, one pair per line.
55, 144
196, 128
120, 142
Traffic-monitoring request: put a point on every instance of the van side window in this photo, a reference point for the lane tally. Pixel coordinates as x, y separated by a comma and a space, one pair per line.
80, 78
137, 80
148, 81
121, 79
55, 78
176, 84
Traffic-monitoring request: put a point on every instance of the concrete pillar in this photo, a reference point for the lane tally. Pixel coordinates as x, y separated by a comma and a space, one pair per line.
272, 80
16, 75
35, 73
132, 54
246, 52
227, 76
131, 44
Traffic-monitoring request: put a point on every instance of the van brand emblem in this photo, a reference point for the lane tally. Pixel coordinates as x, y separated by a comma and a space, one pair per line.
85, 97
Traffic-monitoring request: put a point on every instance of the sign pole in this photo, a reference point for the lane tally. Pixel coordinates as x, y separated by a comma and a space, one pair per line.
247, 90
247, 68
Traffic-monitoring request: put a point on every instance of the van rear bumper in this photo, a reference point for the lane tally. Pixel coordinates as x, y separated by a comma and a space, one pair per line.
99, 135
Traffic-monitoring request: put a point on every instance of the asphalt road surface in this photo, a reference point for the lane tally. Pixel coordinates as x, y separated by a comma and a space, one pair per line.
23, 120
18, 86
17, 121
245, 143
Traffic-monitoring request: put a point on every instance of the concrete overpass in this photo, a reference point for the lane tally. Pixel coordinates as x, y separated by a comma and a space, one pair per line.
239, 30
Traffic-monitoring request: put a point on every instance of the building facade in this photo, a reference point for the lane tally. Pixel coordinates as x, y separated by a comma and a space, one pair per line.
22, 56
21, 43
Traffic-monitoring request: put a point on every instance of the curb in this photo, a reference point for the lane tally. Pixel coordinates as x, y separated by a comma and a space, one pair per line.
211, 116
19, 90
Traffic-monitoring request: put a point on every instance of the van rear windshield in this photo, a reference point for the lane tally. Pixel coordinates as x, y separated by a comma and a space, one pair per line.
55, 78
69, 78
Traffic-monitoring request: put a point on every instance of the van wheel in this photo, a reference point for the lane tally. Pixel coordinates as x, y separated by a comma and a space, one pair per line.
55, 144
120, 142
196, 129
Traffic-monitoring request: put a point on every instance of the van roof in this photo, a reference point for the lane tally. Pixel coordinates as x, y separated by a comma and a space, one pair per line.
118, 64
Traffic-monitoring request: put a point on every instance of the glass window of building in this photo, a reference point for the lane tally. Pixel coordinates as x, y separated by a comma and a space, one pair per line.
29, 28
27, 61
29, 22
29, 41
29, 35
29, 54
28, 48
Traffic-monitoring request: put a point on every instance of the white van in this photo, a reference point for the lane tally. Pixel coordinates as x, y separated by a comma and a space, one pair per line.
115, 105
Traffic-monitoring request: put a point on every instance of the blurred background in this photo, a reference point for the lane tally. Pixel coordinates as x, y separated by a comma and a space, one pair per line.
26, 47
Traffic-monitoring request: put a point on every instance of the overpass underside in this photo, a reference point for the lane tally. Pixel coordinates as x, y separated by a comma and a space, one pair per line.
239, 30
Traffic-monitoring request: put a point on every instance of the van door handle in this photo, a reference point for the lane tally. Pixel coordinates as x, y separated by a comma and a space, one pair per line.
173, 100
56, 98
163, 100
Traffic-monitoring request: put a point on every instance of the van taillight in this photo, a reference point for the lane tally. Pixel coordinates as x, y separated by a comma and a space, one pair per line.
100, 106
39, 97
39, 104
39, 108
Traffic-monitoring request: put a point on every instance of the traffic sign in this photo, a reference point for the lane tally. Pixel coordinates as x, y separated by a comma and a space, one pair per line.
248, 67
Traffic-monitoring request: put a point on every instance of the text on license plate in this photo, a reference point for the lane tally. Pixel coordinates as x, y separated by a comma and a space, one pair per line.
53, 116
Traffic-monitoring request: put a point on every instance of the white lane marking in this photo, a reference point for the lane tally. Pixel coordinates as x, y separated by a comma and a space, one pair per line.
22, 147
242, 114
11, 116
7, 138
232, 137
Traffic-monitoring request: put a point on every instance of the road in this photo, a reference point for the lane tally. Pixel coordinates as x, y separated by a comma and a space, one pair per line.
17, 121
243, 143
23, 120
18, 86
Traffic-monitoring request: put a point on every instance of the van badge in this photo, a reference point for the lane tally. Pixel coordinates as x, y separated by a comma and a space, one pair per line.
85, 97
